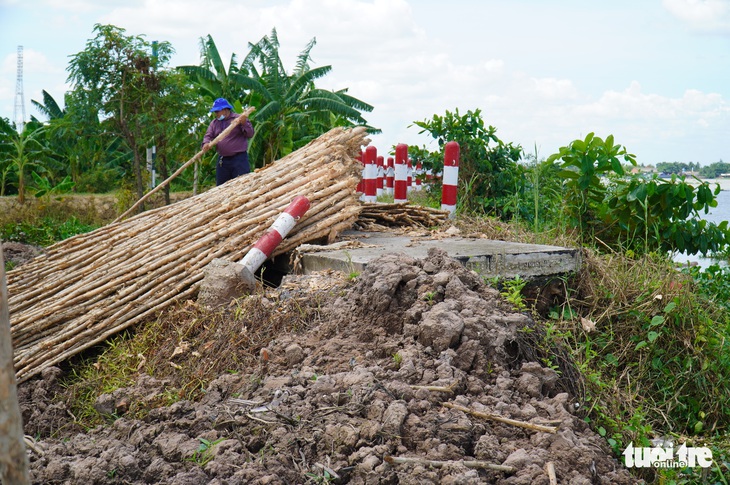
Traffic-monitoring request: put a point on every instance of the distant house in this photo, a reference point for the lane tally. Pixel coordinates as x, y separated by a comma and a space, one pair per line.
643, 169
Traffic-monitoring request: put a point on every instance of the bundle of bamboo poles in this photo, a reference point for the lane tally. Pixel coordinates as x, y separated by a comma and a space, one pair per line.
87, 288
379, 216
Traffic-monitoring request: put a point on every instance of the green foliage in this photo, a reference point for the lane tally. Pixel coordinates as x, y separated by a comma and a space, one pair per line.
714, 170
45, 188
21, 151
538, 196
44, 232
511, 290
291, 110
659, 361
713, 282
620, 211
677, 167
123, 80
204, 454
585, 163
488, 171
664, 215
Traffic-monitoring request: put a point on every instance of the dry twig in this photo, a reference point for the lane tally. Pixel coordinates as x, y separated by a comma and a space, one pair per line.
438, 464
495, 417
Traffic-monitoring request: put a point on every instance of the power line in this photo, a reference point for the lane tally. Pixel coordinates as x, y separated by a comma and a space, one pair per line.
19, 110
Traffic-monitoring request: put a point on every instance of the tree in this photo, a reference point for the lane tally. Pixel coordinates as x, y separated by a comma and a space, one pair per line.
488, 171
211, 76
120, 74
626, 212
21, 152
291, 110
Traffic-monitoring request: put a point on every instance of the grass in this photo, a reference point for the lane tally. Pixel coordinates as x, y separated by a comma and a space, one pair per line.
187, 347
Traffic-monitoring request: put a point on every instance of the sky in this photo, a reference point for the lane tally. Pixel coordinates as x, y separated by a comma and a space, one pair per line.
655, 74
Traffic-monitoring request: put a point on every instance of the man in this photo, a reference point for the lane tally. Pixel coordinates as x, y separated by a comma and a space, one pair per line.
232, 150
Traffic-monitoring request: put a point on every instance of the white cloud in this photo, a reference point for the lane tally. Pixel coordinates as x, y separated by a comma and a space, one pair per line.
702, 15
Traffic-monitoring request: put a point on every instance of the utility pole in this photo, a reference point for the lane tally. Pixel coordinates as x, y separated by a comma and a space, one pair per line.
19, 110
13, 459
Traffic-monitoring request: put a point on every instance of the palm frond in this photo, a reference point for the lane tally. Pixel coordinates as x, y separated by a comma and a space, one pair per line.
267, 111
49, 107
252, 84
353, 101
304, 57
214, 57
329, 104
300, 82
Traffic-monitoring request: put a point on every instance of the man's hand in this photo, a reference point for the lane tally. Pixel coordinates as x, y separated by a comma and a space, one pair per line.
206, 147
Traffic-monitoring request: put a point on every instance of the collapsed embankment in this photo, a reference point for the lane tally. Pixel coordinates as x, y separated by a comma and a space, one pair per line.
378, 377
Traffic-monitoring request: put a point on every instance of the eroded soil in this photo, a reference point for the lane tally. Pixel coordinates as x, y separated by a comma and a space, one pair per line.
333, 402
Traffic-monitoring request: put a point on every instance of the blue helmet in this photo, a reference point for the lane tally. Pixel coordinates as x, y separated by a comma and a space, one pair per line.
221, 103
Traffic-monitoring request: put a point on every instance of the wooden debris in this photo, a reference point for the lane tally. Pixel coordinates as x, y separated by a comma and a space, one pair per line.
495, 417
550, 470
438, 464
377, 216
89, 287
449, 389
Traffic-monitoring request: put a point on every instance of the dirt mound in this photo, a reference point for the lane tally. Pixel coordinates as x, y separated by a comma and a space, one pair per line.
376, 383
18, 253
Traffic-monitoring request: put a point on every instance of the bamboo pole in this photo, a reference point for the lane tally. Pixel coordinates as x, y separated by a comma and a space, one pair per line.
13, 459
495, 417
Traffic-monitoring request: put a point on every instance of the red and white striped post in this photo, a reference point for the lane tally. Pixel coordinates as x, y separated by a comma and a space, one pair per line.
409, 183
261, 251
389, 176
381, 175
419, 171
371, 174
401, 174
451, 178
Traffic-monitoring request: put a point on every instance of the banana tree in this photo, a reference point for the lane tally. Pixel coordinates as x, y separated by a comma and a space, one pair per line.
22, 151
211, 76
291, 110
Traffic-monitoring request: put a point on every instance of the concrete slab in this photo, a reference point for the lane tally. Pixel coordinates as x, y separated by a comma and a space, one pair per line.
488, 258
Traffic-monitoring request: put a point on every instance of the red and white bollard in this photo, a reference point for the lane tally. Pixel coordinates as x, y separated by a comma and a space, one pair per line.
261, 251
371, 175
409, 182
389, 176
381, 175
419, 172
451, 178
401, 174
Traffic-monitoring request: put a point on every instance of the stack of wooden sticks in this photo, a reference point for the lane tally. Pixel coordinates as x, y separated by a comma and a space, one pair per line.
87, 288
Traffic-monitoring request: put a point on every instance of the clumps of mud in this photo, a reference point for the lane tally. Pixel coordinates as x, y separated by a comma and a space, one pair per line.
334, 402
19, 253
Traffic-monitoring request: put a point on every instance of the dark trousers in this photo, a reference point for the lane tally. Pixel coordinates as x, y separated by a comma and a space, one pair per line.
231, 167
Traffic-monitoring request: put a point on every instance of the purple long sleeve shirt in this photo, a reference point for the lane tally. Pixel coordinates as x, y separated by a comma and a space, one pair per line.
235, 142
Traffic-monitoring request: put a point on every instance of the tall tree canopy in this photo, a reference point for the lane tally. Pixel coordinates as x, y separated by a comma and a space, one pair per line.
124, 79
290, 109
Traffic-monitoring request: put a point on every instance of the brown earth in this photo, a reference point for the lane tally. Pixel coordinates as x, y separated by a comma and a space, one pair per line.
333, 402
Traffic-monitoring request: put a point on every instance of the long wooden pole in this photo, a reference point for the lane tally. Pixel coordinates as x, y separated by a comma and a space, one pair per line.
241, 119
13, 459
